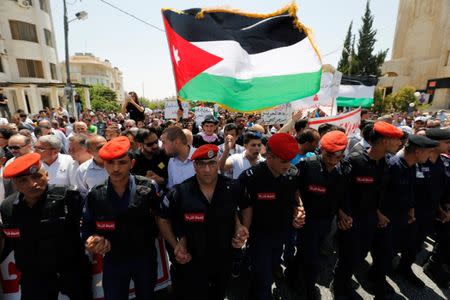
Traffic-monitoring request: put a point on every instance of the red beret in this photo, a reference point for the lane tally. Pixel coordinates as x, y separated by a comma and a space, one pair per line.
205, 152
23, 165
387, 130
115, 148
334, 141
283, 145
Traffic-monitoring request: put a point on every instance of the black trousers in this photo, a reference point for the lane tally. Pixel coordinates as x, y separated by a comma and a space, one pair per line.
203, 279
76, 284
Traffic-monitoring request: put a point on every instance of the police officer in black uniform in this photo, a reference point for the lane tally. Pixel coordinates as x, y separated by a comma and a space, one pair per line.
41, 223
119, 223
358, 218
322, 185
438, 188
271, 187
397, 207
199, 220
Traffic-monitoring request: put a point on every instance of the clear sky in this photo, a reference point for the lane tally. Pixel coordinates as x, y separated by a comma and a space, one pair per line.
141, 52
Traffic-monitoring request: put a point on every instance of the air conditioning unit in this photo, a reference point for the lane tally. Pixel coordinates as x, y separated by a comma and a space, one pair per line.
24, 3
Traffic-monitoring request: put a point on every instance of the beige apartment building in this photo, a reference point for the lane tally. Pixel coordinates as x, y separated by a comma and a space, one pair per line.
29, 75
421, 51
87, 69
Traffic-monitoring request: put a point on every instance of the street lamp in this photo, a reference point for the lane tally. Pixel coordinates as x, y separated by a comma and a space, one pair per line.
82, 15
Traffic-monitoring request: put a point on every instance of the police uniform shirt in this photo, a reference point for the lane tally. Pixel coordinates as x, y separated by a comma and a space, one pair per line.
272, 199
128, 224
322, 192
60, 171
158, 164
400, 192
367, 183
46, 236
207, 225
430, 184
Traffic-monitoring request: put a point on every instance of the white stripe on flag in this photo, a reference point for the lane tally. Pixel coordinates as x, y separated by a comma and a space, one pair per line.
356, 91
237, 63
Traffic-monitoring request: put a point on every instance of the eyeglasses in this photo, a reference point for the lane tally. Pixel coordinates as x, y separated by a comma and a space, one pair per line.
203, 164
151, 143
16, 147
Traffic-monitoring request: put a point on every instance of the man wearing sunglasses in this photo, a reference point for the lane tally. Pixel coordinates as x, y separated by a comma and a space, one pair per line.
151, 160
19, 145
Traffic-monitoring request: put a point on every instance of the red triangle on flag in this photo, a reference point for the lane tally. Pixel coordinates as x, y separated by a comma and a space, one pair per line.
188, 60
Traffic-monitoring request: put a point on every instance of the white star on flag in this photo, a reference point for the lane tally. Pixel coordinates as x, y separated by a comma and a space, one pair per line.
175, 55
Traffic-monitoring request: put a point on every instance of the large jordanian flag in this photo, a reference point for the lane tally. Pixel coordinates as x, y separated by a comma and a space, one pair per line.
244, 61
356, 91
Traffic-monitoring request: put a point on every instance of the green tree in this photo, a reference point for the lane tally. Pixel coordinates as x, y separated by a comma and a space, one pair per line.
103, 98
343, 65
152, 104
401, 99
367, 63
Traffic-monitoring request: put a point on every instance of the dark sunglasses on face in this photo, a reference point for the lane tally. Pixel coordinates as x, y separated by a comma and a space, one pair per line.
151, 143
16, 147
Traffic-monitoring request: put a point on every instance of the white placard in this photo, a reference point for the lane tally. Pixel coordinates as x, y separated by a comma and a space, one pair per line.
350, 121
277, 115
171, 109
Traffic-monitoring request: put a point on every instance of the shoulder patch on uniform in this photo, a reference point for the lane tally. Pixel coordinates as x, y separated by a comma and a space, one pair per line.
293, 171
249, 172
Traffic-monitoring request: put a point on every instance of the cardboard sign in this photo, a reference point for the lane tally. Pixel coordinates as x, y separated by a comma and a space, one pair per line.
201, 112
171, 108
277, 115
350, 121
9, 275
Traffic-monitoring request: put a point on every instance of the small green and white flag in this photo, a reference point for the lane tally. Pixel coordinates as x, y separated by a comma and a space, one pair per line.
356, 91
246, 62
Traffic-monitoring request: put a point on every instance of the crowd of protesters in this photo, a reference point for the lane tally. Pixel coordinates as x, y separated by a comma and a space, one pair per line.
293, 189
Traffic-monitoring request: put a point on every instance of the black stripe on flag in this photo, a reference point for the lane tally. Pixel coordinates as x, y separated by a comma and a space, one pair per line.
367, 80
255, 35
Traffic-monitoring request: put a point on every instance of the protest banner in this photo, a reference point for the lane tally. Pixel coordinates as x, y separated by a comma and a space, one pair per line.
350, 121
10, 276
171, 109
277, 115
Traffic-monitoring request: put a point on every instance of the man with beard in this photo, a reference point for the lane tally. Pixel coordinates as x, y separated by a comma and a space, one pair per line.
151, 161
180, 165
208, 135
239, 162
199, 220
41, 223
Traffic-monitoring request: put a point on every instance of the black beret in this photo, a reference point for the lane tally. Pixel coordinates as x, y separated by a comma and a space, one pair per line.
422, 141
438, 134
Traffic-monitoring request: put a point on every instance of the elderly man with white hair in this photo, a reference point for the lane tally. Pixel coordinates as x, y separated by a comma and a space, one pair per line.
60, 167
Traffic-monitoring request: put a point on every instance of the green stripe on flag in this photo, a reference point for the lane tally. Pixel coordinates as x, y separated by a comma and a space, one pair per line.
252, 94
354, 102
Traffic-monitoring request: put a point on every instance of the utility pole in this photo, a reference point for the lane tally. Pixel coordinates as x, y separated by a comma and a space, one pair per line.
68, 89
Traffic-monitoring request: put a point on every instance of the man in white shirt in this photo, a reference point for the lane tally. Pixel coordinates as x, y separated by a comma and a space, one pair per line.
180, 164
46, 128
58, 166
91, 172
239, 162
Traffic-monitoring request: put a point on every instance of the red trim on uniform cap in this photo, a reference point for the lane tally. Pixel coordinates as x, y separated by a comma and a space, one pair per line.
283, 145
207, 151
387, 130
23, 165
334, 141
115, 148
